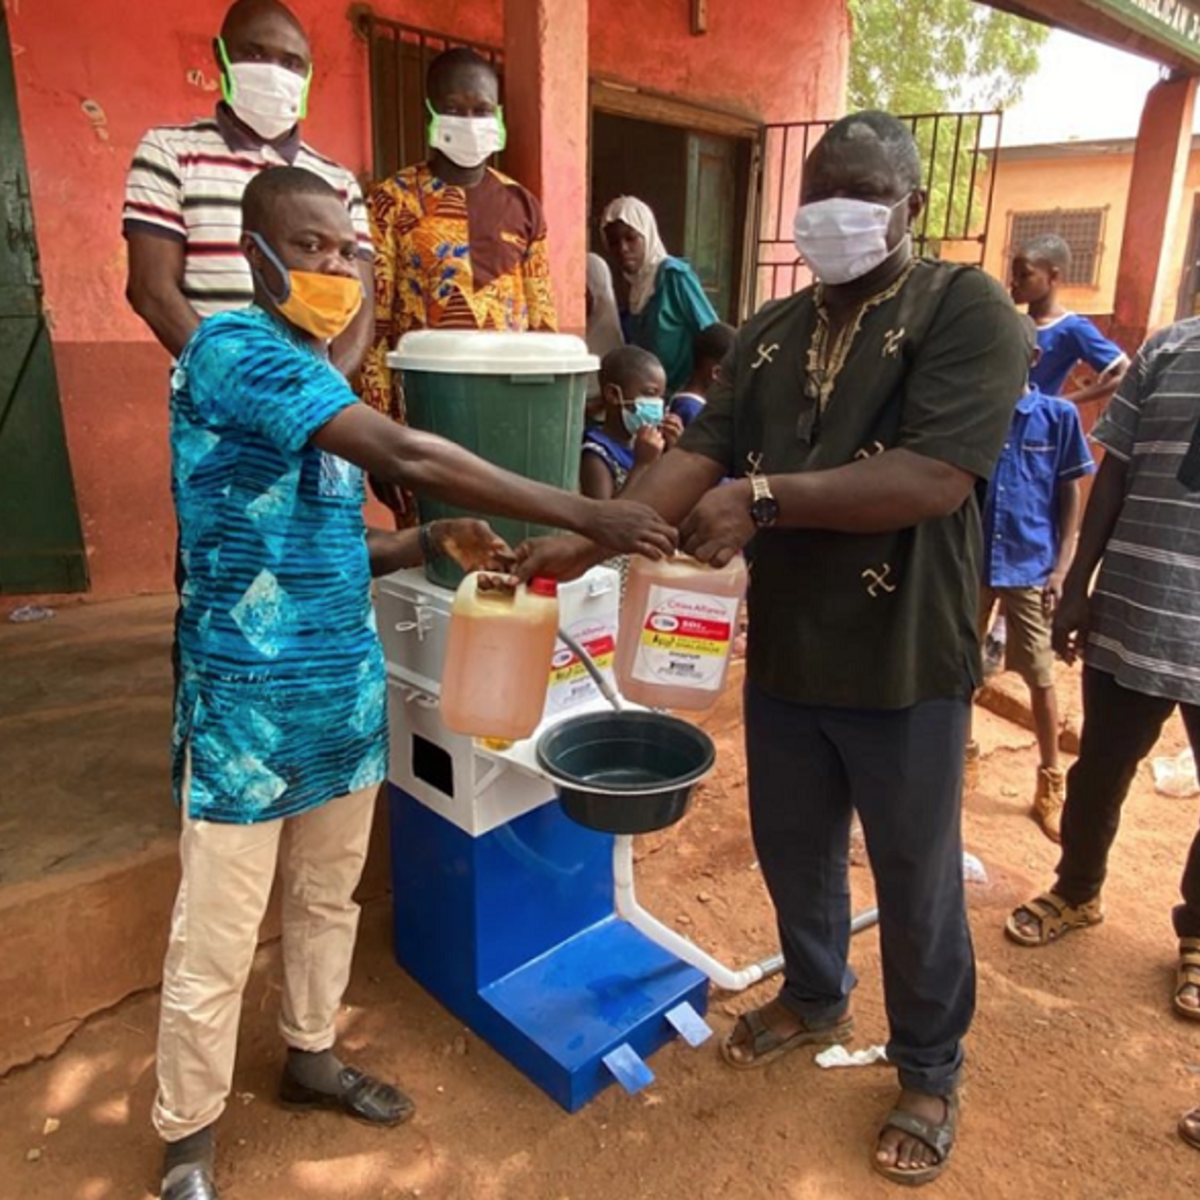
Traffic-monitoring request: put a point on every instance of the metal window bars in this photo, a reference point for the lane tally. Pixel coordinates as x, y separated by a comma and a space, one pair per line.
400, 55
1081, 228
955, 148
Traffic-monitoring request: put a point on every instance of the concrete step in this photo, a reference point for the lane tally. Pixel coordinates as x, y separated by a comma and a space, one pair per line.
78, 942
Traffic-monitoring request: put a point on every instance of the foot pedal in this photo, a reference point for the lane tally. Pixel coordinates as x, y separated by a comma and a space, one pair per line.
629, 1068
689, 1024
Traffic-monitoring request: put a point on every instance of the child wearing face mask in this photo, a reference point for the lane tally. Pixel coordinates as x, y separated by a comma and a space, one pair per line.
636, 429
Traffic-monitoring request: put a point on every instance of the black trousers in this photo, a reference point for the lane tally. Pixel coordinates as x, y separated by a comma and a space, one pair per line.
809, 768
1120, 727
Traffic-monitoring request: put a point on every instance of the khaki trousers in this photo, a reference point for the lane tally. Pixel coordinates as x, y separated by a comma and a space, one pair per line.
227, 875
1027, 645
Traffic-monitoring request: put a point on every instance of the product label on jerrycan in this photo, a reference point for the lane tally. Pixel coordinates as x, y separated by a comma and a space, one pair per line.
570, 684
685, 639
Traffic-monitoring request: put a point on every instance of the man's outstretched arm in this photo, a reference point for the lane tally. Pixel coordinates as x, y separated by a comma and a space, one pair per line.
432, 466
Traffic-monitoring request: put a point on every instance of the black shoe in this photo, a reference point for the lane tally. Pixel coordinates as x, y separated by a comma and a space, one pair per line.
362, 1097
195, 1185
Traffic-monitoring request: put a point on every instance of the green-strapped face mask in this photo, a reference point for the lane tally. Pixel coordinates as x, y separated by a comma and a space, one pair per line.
268, 98
467, 141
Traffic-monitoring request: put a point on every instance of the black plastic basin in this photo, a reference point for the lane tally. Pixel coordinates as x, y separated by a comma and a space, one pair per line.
625, 772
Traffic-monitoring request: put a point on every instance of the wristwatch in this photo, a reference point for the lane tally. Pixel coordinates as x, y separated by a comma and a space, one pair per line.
764, 508
429, 548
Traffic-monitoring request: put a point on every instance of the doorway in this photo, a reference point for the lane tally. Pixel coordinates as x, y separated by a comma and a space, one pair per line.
41, 542
698, 184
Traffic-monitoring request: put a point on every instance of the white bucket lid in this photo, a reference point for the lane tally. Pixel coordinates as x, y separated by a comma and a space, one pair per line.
484, 352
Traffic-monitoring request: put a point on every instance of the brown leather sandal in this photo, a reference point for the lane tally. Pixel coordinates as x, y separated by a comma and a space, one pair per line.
765, 1045
1189, 1128
1054, 917
1188, 975
939, 1138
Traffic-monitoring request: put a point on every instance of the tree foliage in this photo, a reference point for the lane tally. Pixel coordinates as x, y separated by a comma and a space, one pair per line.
913, 56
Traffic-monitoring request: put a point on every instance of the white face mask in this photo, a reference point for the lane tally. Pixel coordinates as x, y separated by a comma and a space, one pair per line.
268, 98
467, 141
843, 239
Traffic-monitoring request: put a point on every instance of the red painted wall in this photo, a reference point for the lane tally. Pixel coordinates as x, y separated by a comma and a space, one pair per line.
91, 78
1160, 165
777, 61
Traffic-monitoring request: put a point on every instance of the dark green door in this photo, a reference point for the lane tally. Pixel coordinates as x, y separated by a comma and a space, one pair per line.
41, 543
711, 237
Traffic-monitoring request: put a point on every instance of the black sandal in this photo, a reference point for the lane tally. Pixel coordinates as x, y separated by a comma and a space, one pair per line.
765, 1045
195, 1185
362, 1097
939, 1138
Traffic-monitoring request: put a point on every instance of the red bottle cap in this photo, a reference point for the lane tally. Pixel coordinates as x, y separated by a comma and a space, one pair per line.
540, 586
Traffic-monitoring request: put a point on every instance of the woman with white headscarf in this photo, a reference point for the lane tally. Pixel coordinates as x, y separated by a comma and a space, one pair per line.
667, 304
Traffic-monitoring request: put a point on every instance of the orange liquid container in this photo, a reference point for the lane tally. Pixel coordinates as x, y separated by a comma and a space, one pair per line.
498, 653
678, 622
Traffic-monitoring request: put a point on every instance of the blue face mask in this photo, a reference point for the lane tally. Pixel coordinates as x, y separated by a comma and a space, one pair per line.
647, 410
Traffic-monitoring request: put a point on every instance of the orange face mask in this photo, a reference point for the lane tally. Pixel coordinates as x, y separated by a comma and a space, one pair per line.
323, 305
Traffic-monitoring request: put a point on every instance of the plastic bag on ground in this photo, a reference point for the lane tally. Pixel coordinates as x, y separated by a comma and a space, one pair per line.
1176, 776
30, 612
973, 869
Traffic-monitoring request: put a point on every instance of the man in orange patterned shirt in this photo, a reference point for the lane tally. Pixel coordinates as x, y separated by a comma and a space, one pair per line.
458, 245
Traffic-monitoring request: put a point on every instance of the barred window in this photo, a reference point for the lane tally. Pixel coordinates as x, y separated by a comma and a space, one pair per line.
400, 56
1081, 228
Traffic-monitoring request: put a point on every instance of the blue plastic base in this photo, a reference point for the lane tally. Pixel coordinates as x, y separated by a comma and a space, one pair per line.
514, 932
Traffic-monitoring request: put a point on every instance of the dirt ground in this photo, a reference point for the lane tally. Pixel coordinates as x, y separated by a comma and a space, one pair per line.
1078, 1070
89, 691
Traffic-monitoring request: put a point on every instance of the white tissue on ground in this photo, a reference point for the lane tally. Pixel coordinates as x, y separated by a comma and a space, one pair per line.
839, 1056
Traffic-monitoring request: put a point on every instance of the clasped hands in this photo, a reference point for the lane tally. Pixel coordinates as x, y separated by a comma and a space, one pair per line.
713, 532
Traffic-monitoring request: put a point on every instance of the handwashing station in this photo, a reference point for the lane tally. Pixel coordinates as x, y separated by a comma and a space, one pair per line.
513, 859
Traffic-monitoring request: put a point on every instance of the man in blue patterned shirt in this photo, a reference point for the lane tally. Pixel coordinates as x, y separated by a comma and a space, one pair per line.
280, 737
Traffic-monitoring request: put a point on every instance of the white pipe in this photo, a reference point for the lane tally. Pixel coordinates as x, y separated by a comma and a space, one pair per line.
629, 909
726, 978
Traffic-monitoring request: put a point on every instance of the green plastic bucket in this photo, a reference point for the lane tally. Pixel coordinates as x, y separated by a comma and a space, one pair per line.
515, 399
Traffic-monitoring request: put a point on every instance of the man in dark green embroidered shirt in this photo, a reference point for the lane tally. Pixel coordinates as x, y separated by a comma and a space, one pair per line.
857, 418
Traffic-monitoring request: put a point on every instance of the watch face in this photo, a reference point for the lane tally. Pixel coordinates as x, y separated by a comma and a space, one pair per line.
765, 510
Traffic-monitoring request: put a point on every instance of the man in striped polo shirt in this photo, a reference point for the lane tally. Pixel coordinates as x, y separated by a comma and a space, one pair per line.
1137, 632
182, 215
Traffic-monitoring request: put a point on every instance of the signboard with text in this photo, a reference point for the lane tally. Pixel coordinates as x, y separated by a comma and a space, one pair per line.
1175, 22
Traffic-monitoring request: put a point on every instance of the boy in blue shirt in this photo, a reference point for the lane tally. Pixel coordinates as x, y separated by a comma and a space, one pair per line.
1064, 338
1030, 524
710, 347
635, 431
280, 738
